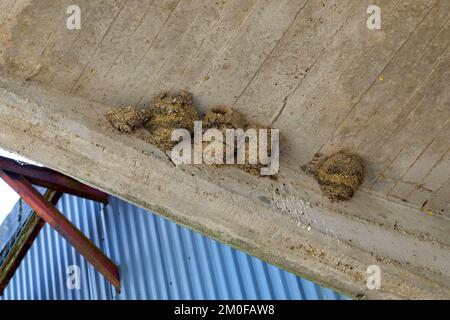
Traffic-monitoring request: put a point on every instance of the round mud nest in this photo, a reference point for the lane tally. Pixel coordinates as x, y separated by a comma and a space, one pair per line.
169, 112
339, 175
223, 118
127, 119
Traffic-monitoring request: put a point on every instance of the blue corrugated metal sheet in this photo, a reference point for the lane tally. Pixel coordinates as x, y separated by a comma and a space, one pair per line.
158, 260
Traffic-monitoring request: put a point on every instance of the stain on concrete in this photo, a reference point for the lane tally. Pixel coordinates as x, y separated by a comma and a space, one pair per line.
17, 47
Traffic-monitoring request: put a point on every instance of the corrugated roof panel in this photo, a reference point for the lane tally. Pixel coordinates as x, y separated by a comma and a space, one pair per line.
158, 260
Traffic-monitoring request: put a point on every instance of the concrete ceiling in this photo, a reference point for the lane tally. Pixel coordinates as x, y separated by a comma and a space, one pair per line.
311, 68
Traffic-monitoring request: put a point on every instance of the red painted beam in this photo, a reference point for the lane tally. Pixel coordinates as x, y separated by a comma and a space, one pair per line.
52, 180
63, 226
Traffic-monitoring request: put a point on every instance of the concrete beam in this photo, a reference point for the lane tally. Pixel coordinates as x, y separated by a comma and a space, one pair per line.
285, 222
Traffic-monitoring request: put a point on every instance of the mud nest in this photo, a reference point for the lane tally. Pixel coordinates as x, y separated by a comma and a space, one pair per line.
127, 119
339, 175
168, 112
224, 118
171, 111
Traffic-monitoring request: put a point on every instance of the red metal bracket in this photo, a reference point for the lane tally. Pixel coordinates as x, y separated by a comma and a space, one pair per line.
52, 180
23, 242
63, 226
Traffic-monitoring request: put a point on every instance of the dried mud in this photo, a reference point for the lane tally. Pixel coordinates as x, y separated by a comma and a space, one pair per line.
339, 175
226, 118
127, 119
171, 111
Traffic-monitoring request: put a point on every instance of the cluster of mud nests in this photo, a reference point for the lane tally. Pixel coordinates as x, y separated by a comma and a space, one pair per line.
338, 175
171, 111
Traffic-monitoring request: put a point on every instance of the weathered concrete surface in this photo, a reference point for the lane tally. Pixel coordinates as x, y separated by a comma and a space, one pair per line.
285, 222
311, 68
